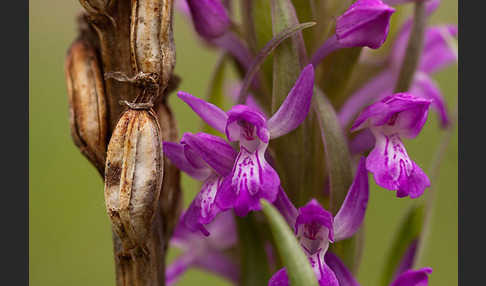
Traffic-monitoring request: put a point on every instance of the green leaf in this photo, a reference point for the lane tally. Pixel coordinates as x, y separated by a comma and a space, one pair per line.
255, 270
409, 231
338, 165
338, 158
296, 262
215, 93
290, 56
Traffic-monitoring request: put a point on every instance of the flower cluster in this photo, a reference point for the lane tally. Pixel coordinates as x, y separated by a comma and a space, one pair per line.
238, 169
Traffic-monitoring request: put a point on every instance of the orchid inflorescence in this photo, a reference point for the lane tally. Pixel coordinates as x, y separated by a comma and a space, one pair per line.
236, 177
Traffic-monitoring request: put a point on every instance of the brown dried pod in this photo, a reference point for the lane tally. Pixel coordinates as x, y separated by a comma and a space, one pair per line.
133, 177
151, 38
87, 103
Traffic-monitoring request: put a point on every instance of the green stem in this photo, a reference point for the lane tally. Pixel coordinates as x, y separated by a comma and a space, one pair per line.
414, 48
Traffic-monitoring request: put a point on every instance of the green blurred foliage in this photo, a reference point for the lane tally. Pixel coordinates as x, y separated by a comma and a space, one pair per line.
70, 237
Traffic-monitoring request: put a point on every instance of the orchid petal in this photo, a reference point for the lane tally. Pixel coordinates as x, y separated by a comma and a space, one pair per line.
400, 113
176, 154
408, 259
314, 223
209, 17
393, 169
362, 142
413, 278
177, 268
351, 214
219, 264
365, 23
342, 273
296, 106
252, 178
244, 124
425, 87
210, 113
286, 207
325, 275
215, 151
280, 278
365, 95
203, 209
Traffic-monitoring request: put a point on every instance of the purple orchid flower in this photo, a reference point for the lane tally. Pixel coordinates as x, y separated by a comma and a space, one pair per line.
437, 54
407, 278
252, 177
364, 24
206, 158
316, 228
206, 253
390, 119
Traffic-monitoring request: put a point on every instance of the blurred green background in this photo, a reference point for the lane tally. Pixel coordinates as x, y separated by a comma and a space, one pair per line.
70, 238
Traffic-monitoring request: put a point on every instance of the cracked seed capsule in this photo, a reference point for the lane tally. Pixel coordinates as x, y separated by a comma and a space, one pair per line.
133, 176
87, 102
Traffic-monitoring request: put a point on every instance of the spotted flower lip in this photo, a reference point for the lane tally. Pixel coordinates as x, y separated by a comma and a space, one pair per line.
364, 24
396, 116
315, 227
209, 17
252, 177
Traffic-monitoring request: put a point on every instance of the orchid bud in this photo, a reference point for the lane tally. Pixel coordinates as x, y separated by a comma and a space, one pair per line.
365, 23
209, 17
87, 103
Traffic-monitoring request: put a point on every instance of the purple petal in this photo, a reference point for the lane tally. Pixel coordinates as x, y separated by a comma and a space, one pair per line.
393, 169
370, 92
203, 209
400, 113
294, 109
252, 178
209, 17
215, 151
437, 52
365, 23
362, 142
413, 278
407, 259
219, 264
210, 113
325, 276
223, 231
314, 222
177, 268
286, 207
176, 154
246, 125
425, 87
352, 212
280, 278
330, 45
342, 273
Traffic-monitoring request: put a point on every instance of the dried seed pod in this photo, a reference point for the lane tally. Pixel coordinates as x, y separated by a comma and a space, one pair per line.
87, 103
151, 38
133, 176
